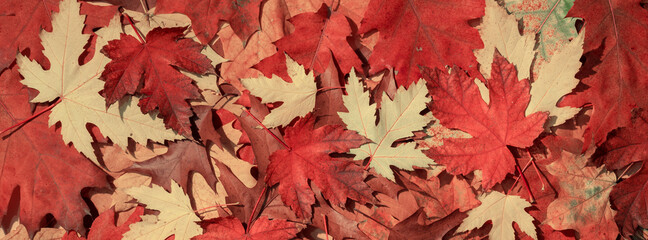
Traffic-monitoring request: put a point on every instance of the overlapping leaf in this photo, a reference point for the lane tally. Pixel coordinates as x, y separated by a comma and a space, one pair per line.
176, 215
308, 159
458, 104
417, 33
619, 83
77, 87
151, 64
398, 119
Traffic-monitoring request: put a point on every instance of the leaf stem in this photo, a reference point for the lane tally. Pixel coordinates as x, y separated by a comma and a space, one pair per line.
536, 168
518, 178
267, 130
32, 117
328, 88
133, 26
547, 17
215, 206
325, 226
625, 171
526, 184
254, 210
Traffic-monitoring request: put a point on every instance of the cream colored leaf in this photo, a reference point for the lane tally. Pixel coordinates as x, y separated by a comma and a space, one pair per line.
145, 22
555, 80
49, 233
176, 215
499, 30
398, 119
77, 87
502, 210
227, 155
18, 232
205, 198
298, 97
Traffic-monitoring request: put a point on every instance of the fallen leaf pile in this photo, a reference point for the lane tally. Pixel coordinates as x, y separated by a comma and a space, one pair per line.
349, 119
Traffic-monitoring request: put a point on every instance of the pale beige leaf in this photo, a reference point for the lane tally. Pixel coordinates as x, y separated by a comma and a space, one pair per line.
19, 232
120, 199
49, 234
499, 30
205, 198
398, 119
145, 22
227, 155
77, 87
298, 97
555, 80
176, 215
502, 210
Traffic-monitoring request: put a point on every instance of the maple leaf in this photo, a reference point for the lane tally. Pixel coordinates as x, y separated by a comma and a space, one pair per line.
321, 35
298, 96
629, 197
352, 9
103, 227
502, 210
619, 84
262, 228
152, 63
176, 164
398, 119
176, 215
555, 80
77, 88
499, 30
458, 104
37, 164
439, 201
626, 145
409, 228
308, 159
417, 33
548, 19
205, 16
20, 24
583, 202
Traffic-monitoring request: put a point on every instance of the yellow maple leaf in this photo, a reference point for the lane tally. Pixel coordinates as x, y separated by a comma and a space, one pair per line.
499, 30
398, 119
77, 87
176, 215
502, 210
298, 97
555, 80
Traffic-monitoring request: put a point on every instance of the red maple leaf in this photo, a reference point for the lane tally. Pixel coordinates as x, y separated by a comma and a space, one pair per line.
317, 38
308, 158
153, 64
49, 174
458, 104
630, 198
226, 228
426, 33
104, 228
626, 145
619, 84
20, 24
205, 16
